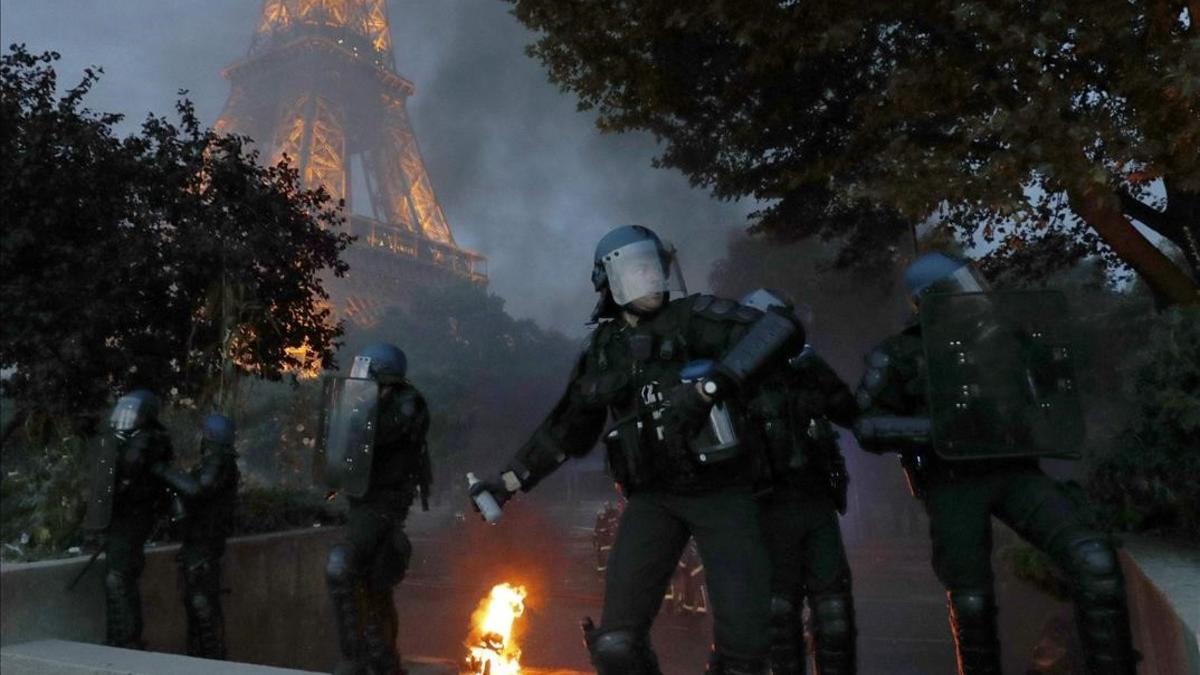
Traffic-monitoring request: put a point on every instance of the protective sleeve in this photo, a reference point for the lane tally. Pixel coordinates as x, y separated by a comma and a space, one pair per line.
887, 421
743, 339
834, 399
570, 430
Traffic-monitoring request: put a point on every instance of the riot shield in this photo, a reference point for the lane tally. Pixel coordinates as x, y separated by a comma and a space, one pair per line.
102, 485
346, 443
1000, 378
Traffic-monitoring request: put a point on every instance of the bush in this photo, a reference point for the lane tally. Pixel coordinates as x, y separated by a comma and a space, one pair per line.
43, 499
1148, 482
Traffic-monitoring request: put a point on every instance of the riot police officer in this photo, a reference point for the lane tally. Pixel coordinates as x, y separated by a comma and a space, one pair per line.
374, 451
673, 449
208, 495
793, 409
973, 467
131, 476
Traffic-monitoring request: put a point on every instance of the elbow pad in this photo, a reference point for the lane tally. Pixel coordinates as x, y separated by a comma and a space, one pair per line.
759, 345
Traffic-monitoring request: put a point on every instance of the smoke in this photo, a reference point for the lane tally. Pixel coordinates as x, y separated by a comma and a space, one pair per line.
523, 177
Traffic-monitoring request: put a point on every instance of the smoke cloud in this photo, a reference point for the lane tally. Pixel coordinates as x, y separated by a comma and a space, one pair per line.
523, 177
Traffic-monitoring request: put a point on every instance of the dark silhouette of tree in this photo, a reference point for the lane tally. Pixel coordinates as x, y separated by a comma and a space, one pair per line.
167, 259
850, 120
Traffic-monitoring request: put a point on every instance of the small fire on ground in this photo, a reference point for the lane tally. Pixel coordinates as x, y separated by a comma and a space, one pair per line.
491, 647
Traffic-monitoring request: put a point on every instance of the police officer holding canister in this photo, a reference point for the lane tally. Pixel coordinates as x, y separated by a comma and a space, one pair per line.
798, 398
131, 475
670, 371
207, 496
971, 395
372, 448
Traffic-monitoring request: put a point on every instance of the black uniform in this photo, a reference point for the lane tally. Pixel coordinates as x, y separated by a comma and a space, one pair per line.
210, 498
143, 476
373, 557
625, 371
960, 498
793, 409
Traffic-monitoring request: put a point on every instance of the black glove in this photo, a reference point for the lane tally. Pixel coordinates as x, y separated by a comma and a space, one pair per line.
495, 485
686, 409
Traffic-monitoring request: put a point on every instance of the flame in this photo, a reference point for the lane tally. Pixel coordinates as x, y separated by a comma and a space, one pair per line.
491, 648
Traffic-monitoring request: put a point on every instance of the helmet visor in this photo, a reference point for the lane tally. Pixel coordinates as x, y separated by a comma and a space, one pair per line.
965, 279
128, 414
635, 271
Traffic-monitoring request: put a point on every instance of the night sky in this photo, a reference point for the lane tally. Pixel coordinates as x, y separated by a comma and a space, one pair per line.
523, 177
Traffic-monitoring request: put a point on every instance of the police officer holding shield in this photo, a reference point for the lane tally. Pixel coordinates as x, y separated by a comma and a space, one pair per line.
131, 476
372, 448
798, 398
673, 448
970, 396
208, 498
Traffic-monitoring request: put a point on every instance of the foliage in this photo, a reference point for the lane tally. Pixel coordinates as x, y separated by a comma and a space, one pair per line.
1149, 481
1008, 120
43, 499
272, 508
164, 259
485, 374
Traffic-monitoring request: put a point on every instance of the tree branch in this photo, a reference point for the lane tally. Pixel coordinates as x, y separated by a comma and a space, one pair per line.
1147, 215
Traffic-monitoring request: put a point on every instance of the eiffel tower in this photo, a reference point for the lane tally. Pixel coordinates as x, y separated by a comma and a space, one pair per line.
319, 84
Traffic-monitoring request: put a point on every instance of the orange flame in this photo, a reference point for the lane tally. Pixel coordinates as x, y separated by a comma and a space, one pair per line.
490, 645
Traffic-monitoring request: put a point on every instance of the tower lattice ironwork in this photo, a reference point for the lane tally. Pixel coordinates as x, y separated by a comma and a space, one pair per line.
319, 84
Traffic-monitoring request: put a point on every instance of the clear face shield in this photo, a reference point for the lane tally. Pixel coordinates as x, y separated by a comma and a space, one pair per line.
127, 415
965, 279
636, 271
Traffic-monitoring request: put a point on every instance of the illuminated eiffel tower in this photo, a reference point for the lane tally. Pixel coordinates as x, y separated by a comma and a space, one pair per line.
319, 83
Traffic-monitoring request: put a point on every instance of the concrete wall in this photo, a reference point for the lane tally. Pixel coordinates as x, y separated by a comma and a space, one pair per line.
276, 611
1164, 604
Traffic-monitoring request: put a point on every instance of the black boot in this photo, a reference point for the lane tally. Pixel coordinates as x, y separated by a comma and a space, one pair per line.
727, 665
973, 622
206, 623
787, 638
834, 633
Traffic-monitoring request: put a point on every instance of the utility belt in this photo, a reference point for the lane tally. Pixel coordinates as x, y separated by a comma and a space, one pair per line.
642, 449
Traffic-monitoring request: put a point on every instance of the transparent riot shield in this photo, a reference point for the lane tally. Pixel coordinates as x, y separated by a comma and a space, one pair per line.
1000, 378
346, 444
102, 485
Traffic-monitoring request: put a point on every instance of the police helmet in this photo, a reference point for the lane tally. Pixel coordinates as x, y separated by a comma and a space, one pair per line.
380, 361
937, 272
134, 410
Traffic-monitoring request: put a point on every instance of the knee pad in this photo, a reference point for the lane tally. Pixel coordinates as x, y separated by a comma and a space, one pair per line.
1096, 571
972, 608
620, 652
833, 620
339, 570
391, 564
118, 583
199, 604
781, 607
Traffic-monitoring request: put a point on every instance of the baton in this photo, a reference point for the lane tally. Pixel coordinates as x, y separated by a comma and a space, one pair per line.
91, 561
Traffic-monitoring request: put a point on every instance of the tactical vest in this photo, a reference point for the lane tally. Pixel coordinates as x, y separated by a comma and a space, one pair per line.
629, 370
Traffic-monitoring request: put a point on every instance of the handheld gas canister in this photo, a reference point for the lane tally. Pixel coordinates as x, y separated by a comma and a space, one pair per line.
717, 440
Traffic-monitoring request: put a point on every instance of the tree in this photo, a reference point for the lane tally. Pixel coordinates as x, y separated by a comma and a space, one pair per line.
1007, 119
169, 259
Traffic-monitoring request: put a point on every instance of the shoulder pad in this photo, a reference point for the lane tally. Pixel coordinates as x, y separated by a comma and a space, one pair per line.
712, 307
585, 345
878, 358
409, 402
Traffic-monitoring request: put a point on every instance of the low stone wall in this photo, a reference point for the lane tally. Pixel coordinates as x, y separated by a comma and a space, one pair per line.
276, 611
1164, 604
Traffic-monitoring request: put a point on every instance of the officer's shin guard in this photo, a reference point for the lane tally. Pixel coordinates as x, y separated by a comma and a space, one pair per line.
380, 632
124, 618
787, 638
621, 651
344, 591
973, 622
206, 623
834, 633
1100, 607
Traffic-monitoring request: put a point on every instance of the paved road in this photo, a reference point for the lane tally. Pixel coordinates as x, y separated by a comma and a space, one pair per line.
902, 620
